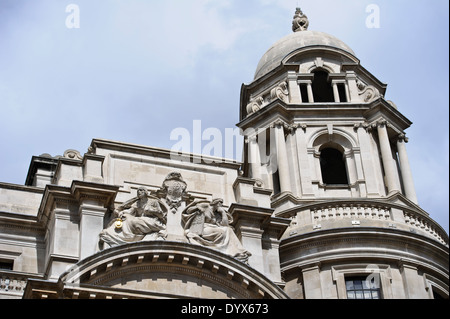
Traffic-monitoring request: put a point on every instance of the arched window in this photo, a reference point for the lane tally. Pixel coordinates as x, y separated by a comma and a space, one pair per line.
333, 167
321, 87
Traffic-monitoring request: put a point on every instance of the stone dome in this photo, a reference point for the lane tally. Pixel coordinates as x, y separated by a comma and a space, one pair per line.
295, 41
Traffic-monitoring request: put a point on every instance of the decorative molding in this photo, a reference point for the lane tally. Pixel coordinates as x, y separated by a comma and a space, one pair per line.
199, 263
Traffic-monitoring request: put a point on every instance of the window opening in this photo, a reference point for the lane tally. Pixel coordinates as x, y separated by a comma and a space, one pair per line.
361, 288
304, 92
333, 167
341, 90
322, 90
6, 265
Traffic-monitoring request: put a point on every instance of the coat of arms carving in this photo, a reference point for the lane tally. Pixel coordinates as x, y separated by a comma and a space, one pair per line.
174, 187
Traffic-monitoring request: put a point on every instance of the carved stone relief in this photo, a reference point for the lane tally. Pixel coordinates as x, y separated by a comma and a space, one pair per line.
281, 92
144, 218
255, 105
141, 218
174, 187
73, 154
367, 93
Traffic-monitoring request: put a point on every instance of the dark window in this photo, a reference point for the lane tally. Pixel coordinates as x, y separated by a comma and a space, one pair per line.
333, 167
363, 288
322, 90
6, 265
304, 92
341, 90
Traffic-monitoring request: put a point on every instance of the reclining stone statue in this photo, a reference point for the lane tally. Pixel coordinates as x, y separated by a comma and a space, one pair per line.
208, 224
140, 218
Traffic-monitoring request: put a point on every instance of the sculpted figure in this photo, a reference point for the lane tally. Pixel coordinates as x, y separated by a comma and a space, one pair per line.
300, 22
141, 218
208, 224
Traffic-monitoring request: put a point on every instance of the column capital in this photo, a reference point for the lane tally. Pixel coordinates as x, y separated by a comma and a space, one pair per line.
282, 124
362, 125
277, 124
402, 138
291, 128
250, 139
382, 123
303, 126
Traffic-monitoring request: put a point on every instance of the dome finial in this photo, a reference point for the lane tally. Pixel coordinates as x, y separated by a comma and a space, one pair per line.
300, 22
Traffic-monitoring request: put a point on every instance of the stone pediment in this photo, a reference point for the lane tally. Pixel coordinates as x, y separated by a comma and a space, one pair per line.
160, 270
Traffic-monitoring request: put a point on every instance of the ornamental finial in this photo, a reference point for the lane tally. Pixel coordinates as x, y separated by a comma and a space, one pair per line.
300, 22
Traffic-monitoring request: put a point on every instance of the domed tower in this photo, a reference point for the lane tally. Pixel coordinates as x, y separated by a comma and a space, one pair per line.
320, 135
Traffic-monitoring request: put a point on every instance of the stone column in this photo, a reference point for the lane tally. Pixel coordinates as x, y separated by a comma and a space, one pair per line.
294, 170
310, 92
405, 169
347, 93
335, 92
386, 155
282, 160
254, 157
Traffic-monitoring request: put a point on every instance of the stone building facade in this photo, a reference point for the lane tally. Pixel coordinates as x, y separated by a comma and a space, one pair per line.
322, 206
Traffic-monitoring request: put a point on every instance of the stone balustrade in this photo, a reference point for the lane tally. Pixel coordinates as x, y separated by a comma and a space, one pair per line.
358, 211
13, 283
364, 213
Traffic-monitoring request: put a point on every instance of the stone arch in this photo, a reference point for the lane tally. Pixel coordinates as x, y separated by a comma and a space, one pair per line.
169, 269
324, 68
338, 137
346, 144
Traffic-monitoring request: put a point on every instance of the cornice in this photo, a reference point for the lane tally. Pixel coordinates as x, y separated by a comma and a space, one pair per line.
162, 153
356, 243
380, 109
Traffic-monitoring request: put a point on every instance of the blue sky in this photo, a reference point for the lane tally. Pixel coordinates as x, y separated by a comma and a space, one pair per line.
115, 76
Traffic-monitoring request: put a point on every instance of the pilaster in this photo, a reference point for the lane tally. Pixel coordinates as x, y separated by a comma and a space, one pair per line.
260, 234
247, 221
367, 161
413, 287
303, 162
94, 201
294, 90
311, 281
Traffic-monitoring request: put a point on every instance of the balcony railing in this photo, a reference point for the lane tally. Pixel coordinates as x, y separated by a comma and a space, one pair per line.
333, 214
12, 284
